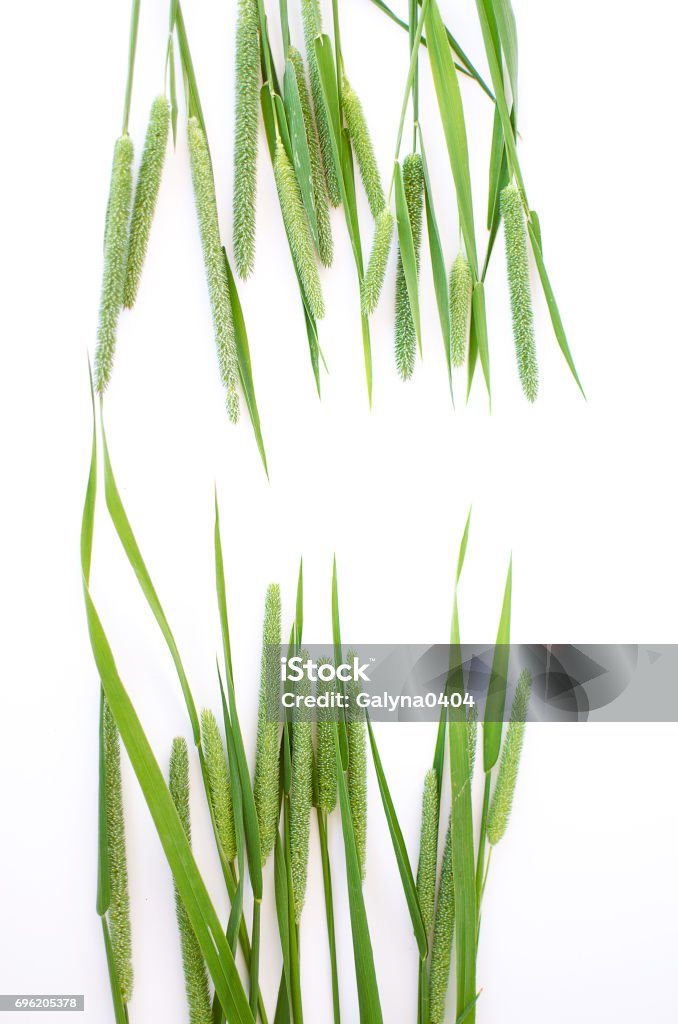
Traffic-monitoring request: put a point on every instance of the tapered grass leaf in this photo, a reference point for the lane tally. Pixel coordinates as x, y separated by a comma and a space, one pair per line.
299, 143
146, 195
195, 973
410, 889
438, 266
496, 689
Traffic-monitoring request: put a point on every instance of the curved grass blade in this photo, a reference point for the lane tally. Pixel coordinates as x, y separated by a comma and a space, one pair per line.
496, 690
300, 156
244, 362
329, 912
454, 126
438, 266
400, 850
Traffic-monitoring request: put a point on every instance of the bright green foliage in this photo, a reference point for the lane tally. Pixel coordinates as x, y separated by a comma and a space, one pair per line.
195, 972
310, 10
405, 333
326, 760
266, 768
215, 265
318, 183
428, 850
118, 913
472, 738
298, 231
461, 286
376, 268
146, 195
115, 252
301, 797
518, 270
502, 798
357, 771
359, 134
443, 934
219, 778
246, 136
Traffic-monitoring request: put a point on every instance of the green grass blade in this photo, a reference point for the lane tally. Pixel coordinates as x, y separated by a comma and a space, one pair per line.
329, 913
400, 850
479, 332
366, 977
282, 910
463, 859
438, 266
407, 251
508, 36
496, 690
454, 125
338, 658
249, 810
127, 539
245, 362
193, 98
534, 232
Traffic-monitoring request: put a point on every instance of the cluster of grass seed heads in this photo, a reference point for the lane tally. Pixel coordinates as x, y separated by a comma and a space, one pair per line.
428, 849
326, 761
376, 268
301, 797
219, 779
357, 772
405, 333
461, 288
443, 934
518, 270
246, 136
318, 183
146, 195
118, 913
310, 10
115, 252
195, 971
361, 141
502, 798
215, 266
298, 231
266, 765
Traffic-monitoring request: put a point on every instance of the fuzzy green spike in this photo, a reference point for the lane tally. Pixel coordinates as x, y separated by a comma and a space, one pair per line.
195, 972
301, 797
443, 934
502, 798
298, 231
518, 270
326, 762
472, 720
357, 771
115, 251
318, 183
266, 765
405, 333
461, 287
428, 849
118, 913
376, 268
215, 266
246, 136
146, 195
219, 778
310, 10
361, 141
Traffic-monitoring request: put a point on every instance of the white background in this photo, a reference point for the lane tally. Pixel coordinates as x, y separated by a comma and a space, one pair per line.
579, 921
